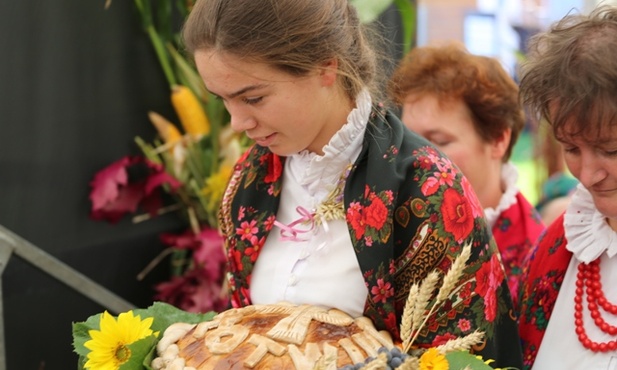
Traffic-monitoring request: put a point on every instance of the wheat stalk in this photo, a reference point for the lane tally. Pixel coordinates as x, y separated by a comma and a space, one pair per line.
462, 344
410, 363
406, 320
422, 300
454, 274
424, 295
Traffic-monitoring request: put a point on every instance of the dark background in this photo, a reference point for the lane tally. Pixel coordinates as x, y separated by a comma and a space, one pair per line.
76, 82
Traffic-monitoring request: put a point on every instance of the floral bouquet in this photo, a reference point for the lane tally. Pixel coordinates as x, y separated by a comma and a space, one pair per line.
129, 341
185, 170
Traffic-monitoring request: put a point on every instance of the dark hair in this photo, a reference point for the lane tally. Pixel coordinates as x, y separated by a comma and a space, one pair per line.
295, 36
570, 75
451, 73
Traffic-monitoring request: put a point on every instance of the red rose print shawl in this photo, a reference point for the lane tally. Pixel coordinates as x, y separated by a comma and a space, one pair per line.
516, 231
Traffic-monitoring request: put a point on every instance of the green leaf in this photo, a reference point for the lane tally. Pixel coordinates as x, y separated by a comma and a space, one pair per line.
81, 361
459, 360
139, 353
148, 150
164, 18
81, 336
149, 357
165, 314
369, 10
187, 74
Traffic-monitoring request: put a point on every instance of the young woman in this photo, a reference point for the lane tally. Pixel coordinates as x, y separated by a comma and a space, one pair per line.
467, 105
337, 204
568, 295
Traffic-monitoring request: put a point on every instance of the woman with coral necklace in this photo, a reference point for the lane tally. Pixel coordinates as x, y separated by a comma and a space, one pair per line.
338, 204
569, 295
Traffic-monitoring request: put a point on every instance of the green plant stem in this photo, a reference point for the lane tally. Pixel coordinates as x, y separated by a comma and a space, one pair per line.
161, 53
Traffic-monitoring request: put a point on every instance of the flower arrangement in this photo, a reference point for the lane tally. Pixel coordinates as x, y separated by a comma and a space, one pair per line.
129, 341
185, 169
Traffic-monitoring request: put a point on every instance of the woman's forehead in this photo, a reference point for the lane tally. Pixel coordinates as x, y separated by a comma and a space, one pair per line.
587, 132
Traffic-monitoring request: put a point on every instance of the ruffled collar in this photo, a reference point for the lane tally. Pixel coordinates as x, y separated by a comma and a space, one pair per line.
311, 169
586, 229
509, 177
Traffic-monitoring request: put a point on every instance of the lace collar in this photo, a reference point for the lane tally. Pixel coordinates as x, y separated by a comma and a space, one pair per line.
311, 169
509, 177
586, 229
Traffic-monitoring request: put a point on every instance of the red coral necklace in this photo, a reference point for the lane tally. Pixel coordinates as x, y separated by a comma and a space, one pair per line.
588, 280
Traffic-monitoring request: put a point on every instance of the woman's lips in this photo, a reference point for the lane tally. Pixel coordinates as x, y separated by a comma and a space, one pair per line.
265, 140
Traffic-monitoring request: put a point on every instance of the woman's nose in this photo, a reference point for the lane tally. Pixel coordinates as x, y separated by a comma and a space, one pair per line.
240, 121
592, 170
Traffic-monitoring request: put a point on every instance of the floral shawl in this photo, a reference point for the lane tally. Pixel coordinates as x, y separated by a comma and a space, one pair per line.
409, 212
516, 230
541, 280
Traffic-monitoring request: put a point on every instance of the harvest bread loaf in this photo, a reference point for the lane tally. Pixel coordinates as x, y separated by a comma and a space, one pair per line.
279, 336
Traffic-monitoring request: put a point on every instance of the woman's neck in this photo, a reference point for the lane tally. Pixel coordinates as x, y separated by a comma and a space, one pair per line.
493, 189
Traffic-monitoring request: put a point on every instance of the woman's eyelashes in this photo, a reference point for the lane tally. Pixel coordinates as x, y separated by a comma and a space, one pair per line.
245, 100
252, 101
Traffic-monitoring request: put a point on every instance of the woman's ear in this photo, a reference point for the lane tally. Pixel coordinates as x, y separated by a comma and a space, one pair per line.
329, 72
501, 144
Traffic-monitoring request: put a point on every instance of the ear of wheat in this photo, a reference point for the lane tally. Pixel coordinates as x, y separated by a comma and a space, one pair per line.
415, 317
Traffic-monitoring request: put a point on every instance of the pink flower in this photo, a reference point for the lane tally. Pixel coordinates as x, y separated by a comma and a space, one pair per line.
209, 253
254, 250
382, 291
247, 229
389, 196
488, 278
355, 219
269, 223
470, 194
430, 186
192, 292
464, 325
444, 175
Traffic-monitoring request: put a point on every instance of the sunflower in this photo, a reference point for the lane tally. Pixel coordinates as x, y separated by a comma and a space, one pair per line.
432, 359
109, 345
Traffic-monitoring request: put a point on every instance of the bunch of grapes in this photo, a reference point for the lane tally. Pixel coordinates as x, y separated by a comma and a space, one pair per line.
395, 358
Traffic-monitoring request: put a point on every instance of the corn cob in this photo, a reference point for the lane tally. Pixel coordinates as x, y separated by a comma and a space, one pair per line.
167, 130
190, 111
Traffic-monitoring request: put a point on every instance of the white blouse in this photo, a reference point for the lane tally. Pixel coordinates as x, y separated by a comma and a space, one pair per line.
319, 266
589, 236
